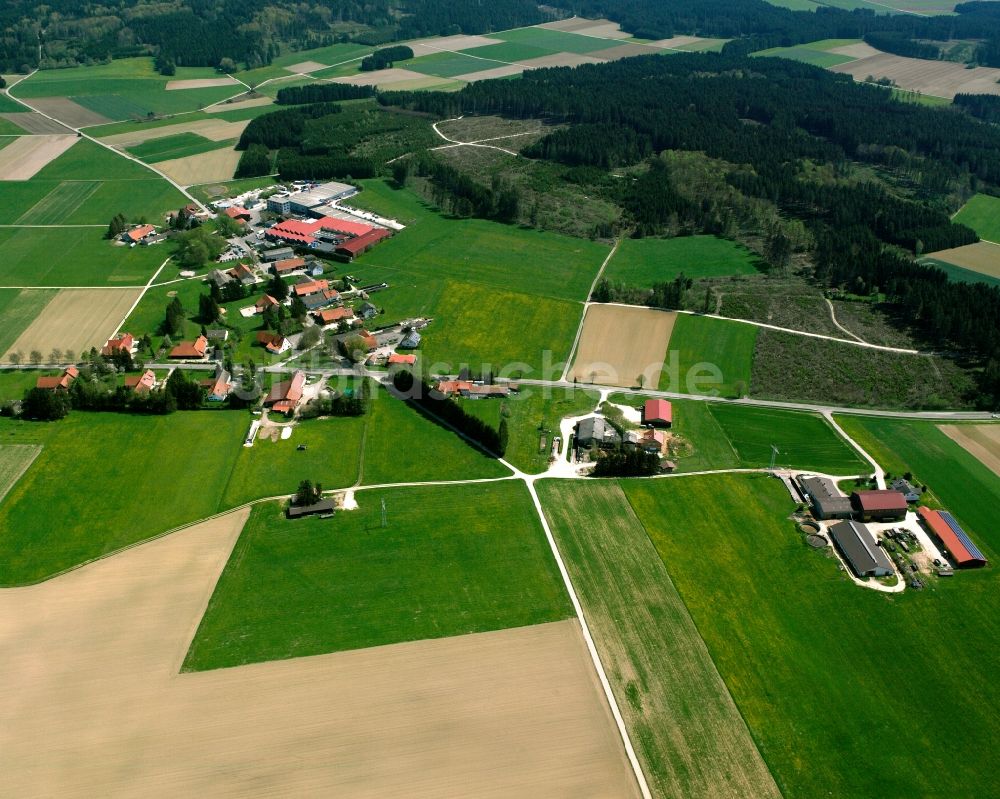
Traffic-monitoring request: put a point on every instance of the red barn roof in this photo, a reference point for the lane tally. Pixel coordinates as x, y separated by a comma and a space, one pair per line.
333, 315
951, 540
312, 287
141, 384
123, 342
237, 212
305, 230
361, 243
874, 501
396, 358
58, 382
287, 391
288, 265
657, 410
140, 232
191, 349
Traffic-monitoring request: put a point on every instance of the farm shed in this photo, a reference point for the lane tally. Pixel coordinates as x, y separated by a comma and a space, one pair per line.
948, 531
277, 254
858, 545
826, 499
879, 505
657, 412
596, 430
352, 248
298, 511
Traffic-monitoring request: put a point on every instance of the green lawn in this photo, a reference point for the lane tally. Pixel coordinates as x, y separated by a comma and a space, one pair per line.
982, 214
533, 414
402, 445
179, 145
74, 257
826, 673
643, 262
956, 479
685, 727
208, 192
14, 459
106, 480
555, 41
804, 440
712, 356
18, 309
451, 560
14, 382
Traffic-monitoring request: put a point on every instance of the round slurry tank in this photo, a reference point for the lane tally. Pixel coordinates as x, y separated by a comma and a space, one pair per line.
816, 541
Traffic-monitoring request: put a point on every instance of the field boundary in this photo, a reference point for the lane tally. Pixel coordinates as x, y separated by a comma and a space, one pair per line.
37, 450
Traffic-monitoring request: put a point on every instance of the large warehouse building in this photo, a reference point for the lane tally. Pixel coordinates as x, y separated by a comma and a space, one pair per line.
862, 552
948, 531
827, 501
303, 202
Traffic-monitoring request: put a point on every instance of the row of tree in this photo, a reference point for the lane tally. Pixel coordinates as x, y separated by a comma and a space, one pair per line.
385, 57
322, 93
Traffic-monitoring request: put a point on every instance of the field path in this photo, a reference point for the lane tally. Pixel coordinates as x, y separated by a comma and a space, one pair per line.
586, 304
833, 318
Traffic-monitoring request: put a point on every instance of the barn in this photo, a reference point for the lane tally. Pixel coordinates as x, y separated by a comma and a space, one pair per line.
943, 526
657, 412
862, 552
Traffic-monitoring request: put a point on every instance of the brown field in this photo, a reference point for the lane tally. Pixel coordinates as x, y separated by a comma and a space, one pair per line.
65, 110
386, 77
860, 50
76, 319
982, 257
305, 67
34, 123
238, 104
675, 42
604, 30
618, 344
574, 24
489, 74
457, 42
199, 83
214, 129
561, 60
982, 441
101, 709
625, 51
210, 167
937, 78
26, 155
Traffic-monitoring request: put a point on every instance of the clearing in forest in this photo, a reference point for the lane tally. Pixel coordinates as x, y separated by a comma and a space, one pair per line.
622, 346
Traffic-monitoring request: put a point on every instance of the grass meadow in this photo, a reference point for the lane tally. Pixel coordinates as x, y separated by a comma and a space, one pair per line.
685, 727
14, 460
531, 417
18, 309
448, 65
698, 342
74, 257
982, 214
179, 145
451, 560
643, 262
554, 41
14, 382
824, 672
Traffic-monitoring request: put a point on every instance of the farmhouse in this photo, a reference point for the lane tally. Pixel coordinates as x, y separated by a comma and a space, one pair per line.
217, 388
651, 441
826, 499
859, 547
219, 278
401, 360
274, 343
298, 511
141, 384
137, 233
59, 382
910, 494
191, 349
368, 311
410, 341
306, 287
657, 412
238, 213
285, 396
352, 248
287, 266
879, 506
947, 530
331, 315
470, 389
595, 431
123, 343
243, 273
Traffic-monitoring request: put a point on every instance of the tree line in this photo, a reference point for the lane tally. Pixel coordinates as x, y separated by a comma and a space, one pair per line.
322, 93
385, 58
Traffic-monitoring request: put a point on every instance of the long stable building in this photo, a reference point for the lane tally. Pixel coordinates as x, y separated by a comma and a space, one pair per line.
950, 533
858, 545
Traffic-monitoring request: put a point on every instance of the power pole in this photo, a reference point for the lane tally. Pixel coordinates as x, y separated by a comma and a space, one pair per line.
774, 454
385, 516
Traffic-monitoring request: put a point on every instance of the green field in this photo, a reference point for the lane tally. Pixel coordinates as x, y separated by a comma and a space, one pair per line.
332, 55
556, 41
125, 88
448, 65
104, 481
816, 53
956, 479
533, 414
74, 257
402, 445
179, 145
14, 382
235, 115
451, 560
960, 274
18, 309
823, 672
643, 262
698, 346
685, 727
804, 440
10, 106
479, 326
982, 214
60, 203
14, 460
510, 52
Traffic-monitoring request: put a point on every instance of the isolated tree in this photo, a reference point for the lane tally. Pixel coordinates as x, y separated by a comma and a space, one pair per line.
70, 356
277, 288
208, 308
305, 493
174, 320
227, 65
56, 355
641, 380
401, 171
708, 300
117, 226
15, 357
36, 357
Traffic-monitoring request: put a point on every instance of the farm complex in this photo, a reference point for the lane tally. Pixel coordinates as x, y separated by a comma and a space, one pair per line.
390, 414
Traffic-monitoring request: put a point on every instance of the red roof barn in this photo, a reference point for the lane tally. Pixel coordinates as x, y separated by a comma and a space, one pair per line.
876, 505
657, 412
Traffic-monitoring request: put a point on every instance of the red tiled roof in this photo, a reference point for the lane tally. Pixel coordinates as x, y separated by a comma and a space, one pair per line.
334, 315
267, 301
287, 390
240, 271
880, 501
359, 244
288, 264
191, 349
657, 410
453, 386
140, 232
370, 341
141, 384
123, 342
951, 541
235, 211
402, 359
312, 287
62, 381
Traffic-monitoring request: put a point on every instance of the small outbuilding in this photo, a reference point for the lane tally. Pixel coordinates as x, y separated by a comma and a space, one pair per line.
322, 507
